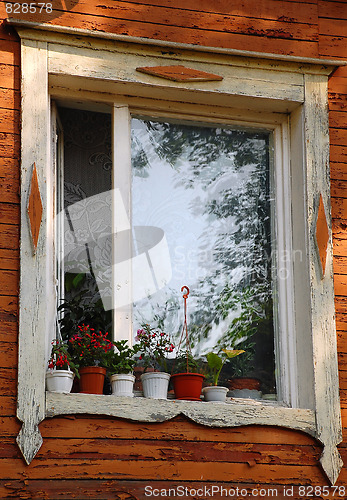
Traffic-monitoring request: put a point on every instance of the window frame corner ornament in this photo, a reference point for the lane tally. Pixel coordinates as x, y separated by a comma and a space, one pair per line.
34, 208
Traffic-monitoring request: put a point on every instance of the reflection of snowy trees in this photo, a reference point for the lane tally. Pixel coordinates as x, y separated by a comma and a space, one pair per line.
227, 174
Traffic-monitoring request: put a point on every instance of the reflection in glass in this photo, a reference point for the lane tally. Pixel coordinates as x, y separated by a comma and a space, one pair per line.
209, 189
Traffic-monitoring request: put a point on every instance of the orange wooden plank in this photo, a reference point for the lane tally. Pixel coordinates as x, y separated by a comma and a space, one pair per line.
9, 121
332, 10
339, 187
340, 282
339, 208
337, 102
341, 326
9, 145
153, 470
8, 407
333, 46
9, 333
333, 27
338, 136
9, 259
338, 84
200, 20
271, 9
340, 251
9, 213
83, 489
341, 305
9, 282
9, 236
210, 37
9, 76
9, 426
342, 357
9, 52
178, 450
9, 99
338, 153
338, 119
9, 180
179, 429
9, 305
8, 355
338, 171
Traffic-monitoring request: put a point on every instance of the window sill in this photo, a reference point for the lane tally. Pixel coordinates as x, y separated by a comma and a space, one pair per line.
233, 413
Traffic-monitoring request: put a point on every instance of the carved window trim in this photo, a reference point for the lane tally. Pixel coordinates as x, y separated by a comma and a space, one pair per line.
57, 61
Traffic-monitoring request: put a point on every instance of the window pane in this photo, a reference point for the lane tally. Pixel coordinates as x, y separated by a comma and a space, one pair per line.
208, 190
87, 243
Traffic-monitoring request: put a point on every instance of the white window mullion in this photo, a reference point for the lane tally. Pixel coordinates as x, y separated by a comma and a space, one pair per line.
121, 224
286, 345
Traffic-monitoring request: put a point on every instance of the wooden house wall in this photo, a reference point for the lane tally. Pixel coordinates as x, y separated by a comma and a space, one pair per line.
85, 457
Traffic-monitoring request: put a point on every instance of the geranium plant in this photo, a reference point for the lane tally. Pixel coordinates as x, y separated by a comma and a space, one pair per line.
122, 360
90, 348
154, 347
60, 358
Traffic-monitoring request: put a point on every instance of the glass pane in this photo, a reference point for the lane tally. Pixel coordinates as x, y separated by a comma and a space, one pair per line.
206, 191
87, 183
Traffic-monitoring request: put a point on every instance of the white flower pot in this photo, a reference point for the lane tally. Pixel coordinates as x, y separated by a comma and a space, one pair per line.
122, 384
59, 380
155, 384
215, 393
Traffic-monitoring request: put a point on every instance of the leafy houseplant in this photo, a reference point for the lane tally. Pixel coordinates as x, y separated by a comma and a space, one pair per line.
91, 350
81, 310
215, 364
154, 347
122, 360
61, 368
120, 367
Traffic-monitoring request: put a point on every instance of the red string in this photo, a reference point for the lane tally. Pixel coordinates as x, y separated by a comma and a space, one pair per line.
185, 328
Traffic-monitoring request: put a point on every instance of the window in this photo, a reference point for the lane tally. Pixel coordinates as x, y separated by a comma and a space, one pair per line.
200, 210
284, 102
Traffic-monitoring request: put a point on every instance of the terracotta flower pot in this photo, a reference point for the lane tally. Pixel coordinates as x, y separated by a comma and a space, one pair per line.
187, 385
244, 383
92, 379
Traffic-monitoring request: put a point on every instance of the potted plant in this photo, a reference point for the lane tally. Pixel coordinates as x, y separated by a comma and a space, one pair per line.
91, 350
215, 364
120, 368
188, 379
61, 368
154, 347
187, 382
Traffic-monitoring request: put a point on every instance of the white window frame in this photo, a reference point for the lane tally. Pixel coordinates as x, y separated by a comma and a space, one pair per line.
290, 95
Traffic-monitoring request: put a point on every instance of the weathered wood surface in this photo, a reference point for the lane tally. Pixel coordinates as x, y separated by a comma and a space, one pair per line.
328, 20
215, 415
179, 428
241, 27
135, 490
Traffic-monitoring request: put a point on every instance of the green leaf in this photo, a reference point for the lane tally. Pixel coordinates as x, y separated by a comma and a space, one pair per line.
214, 361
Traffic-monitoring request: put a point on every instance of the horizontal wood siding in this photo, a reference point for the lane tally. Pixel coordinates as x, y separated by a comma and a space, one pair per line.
86, 457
